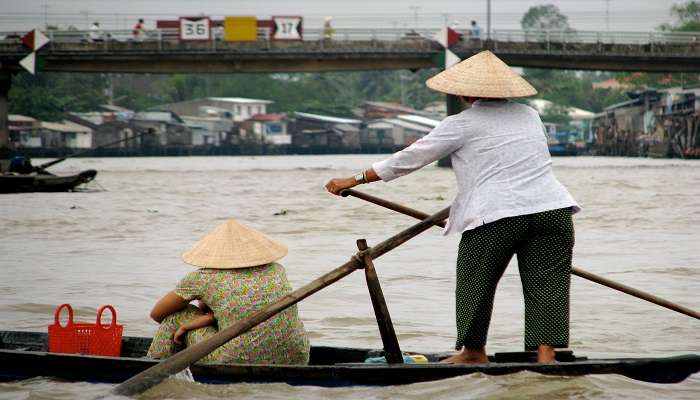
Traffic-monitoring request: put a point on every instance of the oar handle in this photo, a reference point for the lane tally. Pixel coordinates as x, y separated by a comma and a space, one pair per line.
575, 271
388, 204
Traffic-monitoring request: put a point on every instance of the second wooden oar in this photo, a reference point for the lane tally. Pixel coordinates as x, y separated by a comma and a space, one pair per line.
574, 270
190, 355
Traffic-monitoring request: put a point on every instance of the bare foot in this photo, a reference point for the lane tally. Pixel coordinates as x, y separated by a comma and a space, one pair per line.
545, 354
467, 356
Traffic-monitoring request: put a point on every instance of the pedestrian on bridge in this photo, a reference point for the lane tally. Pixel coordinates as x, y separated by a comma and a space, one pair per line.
96, 34
475, 31
139, 32
328, 28
508, 203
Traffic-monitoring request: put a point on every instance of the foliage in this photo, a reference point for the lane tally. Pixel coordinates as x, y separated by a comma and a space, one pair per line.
687, 15
543, 18
557, 114
48, 96
573, 88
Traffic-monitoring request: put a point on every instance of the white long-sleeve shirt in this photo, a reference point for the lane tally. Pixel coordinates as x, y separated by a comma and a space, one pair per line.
500, 157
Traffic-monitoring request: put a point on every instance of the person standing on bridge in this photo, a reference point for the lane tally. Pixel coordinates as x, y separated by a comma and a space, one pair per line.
139, 32
475, 31
96, 32
508, 202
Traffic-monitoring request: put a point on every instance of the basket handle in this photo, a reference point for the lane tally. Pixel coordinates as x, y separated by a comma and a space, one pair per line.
58, 312
99, 316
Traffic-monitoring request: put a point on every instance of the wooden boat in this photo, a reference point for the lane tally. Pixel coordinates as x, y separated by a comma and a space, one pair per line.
23, 183
23, 355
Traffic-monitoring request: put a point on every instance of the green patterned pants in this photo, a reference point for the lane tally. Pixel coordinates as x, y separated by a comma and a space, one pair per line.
543, 243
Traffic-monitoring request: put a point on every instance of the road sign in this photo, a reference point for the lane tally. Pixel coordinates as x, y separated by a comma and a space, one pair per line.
29, 62
195, 28
287, 28
240, 29
447, 37
34, 40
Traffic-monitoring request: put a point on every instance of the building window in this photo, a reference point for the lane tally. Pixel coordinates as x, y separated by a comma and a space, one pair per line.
274, 129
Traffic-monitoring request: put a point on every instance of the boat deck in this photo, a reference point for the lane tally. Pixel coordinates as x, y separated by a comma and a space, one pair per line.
23, 355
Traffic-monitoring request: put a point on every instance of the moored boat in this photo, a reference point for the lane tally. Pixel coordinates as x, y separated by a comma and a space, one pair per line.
24, 183
23, 355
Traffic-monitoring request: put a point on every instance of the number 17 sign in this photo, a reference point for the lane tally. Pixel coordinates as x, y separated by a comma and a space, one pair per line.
287, 28
195, 28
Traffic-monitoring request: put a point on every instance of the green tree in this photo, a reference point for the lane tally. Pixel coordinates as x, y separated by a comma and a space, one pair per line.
48, 96
687, 16
545, 18
557, 114
573, 88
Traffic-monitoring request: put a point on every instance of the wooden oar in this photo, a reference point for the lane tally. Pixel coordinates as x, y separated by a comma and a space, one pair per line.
190, 355
576, 271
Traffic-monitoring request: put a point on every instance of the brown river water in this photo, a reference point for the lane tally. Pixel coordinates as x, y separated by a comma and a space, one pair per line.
121, 244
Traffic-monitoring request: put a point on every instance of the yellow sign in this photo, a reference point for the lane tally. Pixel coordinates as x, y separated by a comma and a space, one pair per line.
240, 29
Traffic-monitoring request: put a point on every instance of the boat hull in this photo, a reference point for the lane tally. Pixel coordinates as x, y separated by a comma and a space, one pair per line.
329, 366
44, 183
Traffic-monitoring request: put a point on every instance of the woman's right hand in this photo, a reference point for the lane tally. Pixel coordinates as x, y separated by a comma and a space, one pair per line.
336, 185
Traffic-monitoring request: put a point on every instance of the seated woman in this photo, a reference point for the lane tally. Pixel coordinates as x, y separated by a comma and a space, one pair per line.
238, 276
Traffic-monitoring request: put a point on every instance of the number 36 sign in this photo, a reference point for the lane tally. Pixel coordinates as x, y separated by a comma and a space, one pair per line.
287, 28
195, 28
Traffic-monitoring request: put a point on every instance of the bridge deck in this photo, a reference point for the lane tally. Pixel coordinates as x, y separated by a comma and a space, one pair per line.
357, 50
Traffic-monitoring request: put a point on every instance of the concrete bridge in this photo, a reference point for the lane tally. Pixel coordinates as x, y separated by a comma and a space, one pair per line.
349, 49
357, 49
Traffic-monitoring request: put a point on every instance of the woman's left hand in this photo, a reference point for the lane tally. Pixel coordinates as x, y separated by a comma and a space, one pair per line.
336, 185
178, 336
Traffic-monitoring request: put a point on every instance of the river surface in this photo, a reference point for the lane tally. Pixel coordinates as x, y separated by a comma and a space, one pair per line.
120, 243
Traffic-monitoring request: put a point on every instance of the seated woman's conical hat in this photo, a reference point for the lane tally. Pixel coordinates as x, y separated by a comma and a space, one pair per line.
234, 245
481, 75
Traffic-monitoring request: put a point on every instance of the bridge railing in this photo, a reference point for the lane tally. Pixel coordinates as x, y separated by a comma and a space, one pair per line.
589, 37
382, 34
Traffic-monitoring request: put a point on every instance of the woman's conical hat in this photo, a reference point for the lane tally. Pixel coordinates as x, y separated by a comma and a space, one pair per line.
233, 245
481, 75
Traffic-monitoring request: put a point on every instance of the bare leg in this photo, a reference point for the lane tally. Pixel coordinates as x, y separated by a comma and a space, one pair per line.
468, 356
545, 354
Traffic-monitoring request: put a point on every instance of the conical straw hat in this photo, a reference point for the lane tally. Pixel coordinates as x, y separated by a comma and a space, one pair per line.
481, 75
233, 245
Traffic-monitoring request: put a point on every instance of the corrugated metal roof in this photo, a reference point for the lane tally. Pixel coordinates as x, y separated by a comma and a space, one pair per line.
390, 106
325, 118
242, 100
267, 117
65, 126
20, 118
420, 120
409, 125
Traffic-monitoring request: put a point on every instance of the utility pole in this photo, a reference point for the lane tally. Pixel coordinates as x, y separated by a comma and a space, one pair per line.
46, 8
86, 14
402, 78
488, 19
607, 14
415, 16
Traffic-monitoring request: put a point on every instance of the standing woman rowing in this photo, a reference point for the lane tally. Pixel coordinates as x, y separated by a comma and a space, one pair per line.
508, 202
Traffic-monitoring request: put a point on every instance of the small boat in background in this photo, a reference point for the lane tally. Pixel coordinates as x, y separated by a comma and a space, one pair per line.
562, 148
36, 182
18, 175
24, 355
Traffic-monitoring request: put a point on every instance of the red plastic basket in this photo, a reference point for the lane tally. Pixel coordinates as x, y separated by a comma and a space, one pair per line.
84, 338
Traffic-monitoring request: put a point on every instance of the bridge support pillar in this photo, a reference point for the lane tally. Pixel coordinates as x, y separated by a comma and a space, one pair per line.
5, 81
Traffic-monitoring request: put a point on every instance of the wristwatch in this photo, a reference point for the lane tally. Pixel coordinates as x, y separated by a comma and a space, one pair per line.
360, 178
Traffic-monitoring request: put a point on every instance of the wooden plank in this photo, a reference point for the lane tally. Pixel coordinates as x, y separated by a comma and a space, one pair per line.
392, 350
